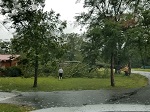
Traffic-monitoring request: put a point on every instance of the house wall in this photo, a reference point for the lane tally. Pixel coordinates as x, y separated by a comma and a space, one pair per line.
6, 64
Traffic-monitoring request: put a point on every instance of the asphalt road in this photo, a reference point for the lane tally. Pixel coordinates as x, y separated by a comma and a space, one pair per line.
42, 100
142, 96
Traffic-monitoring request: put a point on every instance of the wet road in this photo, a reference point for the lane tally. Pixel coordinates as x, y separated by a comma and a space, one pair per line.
6, 95
100, 108
142, 96
41, 100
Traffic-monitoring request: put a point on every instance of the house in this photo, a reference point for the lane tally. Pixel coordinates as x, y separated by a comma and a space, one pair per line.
8, 60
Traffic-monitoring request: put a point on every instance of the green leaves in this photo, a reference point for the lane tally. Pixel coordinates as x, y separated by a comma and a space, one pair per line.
36, 30
146, 17
5, 47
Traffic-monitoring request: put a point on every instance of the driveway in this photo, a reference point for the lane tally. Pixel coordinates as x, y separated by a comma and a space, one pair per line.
6, 95
141, 97
42, 100
99, 108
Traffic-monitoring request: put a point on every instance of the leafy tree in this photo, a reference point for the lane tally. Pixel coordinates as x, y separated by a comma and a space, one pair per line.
72, 43
91, 47
107, 15
145, 38
98, 12
5, 47
35, 29
139, 37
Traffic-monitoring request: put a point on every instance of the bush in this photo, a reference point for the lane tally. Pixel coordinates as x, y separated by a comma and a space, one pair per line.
13, 72
43, 72
27, 70
75, 70
49, 69
81, 70
2, 72
106, 73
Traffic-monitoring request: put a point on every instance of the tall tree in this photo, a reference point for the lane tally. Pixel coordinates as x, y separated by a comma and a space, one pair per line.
35, 29
91, 47
101, 11
98, 12
139, 37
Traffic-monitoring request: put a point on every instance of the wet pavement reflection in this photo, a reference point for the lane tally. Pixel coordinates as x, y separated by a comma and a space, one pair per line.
141, 96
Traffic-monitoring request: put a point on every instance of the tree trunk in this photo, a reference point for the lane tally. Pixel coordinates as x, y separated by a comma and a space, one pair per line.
141, 53
36, 70
112, 72
129, 66
143, 62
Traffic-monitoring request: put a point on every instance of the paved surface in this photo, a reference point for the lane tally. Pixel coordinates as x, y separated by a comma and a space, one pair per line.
42, 100
6, 95
141, 97
99, 108
83, 101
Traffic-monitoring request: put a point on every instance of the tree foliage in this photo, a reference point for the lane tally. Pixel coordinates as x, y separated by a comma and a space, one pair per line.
108, 22
72, 43
36, 30
5, 47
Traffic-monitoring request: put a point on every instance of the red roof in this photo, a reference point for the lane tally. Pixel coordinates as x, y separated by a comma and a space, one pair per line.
4, 57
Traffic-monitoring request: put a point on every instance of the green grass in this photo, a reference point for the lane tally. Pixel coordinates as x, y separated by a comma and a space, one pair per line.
14, 108
53, 84
141, 69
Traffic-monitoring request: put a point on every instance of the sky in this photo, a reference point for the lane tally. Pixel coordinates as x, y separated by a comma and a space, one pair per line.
66, 8
4, 33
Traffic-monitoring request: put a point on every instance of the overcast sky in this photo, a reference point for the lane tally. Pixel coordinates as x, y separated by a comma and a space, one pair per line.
67, 9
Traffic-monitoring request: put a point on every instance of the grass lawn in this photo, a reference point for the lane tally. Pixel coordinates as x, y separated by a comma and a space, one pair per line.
141, 69
14, 108
53, 84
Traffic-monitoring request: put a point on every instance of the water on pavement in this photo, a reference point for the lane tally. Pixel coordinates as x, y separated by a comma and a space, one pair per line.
140, 97
65, 98
100, 108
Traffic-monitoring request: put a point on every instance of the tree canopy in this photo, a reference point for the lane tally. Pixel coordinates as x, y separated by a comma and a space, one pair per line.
109, 23
36, 31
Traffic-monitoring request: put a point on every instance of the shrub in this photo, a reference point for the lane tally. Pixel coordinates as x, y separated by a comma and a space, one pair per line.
106, 73
13, 72
81, 70
75, 70
27, 70
2, 72
49, 69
